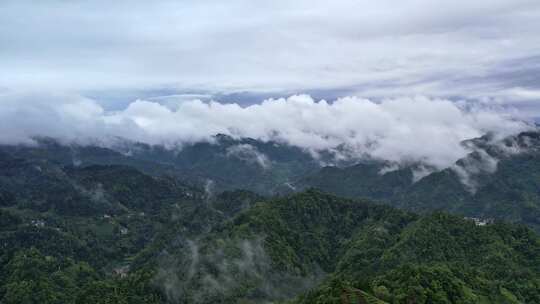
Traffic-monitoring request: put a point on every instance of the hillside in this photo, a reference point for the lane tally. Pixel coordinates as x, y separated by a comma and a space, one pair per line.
221, 164
71, 234
113, 233
499, 180
332, 250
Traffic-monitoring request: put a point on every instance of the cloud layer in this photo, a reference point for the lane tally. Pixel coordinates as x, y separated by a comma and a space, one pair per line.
369, 48
399, 130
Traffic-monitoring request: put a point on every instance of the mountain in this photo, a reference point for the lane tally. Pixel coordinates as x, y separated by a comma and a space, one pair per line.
499, 179
221, 164
71, 234
42, 185
102, 233
244, 163
331, 250
440, 259
144, 226
360, 180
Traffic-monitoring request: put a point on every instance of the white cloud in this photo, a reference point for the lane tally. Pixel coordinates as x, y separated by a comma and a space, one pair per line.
402, 130
524, 94
470, 169
250, 154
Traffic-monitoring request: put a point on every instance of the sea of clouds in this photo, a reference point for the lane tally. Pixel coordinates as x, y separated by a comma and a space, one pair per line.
399, 130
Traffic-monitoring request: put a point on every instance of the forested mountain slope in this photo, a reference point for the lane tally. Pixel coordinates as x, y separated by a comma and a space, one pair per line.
499, 180
100, 232
68, 234
341, 249
222, 164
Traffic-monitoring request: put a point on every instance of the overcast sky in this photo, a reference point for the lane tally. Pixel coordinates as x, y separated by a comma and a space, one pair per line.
147, 70
481, 48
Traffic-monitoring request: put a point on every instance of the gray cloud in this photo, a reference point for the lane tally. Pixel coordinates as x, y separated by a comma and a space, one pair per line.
174, 57
384, 48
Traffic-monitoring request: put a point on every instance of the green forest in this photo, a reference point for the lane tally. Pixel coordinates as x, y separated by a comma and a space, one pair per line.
113, 231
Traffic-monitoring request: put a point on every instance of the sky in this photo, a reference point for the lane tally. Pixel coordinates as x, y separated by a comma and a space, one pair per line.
95, 63
483, 48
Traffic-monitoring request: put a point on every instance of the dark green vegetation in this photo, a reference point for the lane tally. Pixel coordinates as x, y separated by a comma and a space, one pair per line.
71, 235
500, 180
438, 259
224, 164
83, 224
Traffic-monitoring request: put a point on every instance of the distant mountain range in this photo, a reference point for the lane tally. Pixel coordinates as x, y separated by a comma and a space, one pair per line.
498, 179
227, 163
